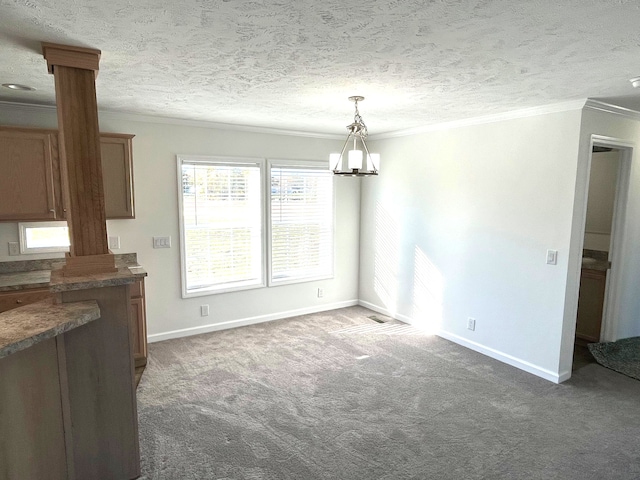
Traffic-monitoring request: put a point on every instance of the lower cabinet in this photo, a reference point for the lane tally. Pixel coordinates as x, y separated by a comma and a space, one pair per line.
590, 304
14, 299
139, 323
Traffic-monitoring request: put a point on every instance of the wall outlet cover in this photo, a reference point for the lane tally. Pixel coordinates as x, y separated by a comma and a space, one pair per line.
471, 324
14, 248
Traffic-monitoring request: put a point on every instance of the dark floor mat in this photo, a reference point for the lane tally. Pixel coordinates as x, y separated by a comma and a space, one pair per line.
622, 356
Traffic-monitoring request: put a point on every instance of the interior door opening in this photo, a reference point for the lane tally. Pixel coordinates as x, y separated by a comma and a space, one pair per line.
604, 222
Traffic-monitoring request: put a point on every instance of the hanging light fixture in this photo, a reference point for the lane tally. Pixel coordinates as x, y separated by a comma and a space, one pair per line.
357, 131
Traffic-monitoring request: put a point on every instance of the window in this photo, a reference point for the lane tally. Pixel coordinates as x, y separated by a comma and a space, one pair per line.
301, 227
240, 218
221, 221
43, 237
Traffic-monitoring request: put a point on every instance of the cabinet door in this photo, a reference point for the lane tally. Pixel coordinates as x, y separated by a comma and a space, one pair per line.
117, 175
139, 331
590, 305
26, 183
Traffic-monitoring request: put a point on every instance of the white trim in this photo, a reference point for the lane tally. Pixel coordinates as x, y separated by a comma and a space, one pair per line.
241, 322
497, 117
612, 109
477, 347
506, 358
315, 165
611, 308
220, 160
136, 117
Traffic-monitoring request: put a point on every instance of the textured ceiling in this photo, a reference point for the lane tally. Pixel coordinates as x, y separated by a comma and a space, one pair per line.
292, 64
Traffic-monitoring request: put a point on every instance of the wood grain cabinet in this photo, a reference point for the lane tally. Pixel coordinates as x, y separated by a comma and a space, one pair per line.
27, 187
31, 182
14, 299
139, 323
590, 304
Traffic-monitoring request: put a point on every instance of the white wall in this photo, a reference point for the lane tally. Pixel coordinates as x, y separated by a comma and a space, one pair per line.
625, 301
457, 225
602, 189
154, 158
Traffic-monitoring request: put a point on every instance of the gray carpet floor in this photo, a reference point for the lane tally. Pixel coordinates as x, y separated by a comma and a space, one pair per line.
336, 395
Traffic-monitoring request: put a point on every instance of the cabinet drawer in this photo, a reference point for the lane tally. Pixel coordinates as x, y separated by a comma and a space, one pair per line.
17, 299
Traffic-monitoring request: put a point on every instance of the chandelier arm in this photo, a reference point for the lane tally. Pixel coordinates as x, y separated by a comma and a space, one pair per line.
342, 153
368, 154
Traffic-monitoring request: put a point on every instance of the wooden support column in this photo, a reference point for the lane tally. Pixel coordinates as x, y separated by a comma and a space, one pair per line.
74, 70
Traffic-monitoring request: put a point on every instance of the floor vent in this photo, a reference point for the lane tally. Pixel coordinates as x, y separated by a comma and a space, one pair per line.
376, 319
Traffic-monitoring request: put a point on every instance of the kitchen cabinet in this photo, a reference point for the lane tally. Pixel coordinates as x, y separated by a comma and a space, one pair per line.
590, 304
139, 323
14, 299
117, 175
31, 180
27, 189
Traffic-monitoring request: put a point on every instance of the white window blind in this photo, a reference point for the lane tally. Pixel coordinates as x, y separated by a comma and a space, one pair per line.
301, 216
222, 226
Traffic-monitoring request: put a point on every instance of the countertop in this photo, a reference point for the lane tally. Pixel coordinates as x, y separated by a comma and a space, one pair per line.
595, 260
28, 274
23, 327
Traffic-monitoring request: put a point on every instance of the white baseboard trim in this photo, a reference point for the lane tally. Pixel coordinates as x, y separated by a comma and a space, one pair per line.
213, 327
503, 357
477, 347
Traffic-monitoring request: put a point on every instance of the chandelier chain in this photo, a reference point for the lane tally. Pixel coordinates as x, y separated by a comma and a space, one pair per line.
357, 119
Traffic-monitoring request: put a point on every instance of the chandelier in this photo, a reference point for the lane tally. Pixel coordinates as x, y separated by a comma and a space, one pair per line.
357, 131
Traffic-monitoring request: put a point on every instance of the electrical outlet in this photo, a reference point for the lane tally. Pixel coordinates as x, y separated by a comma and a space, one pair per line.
320, 292
471, 324
14, 248
204, 310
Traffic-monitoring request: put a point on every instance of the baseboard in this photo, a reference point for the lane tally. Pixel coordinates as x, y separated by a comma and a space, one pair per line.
213, 327
503, 357
477, 347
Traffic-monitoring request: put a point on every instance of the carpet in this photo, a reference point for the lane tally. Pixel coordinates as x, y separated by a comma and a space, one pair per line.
337, 395
623, 356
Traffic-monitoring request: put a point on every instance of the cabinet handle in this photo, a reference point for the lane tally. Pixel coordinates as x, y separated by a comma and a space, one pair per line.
18, 301
52, 210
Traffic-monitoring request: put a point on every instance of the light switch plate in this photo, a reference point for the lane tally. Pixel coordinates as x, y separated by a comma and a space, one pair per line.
552, 257
161, 242
114, 243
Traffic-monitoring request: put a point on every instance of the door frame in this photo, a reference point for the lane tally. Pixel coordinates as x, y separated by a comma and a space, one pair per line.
611, 309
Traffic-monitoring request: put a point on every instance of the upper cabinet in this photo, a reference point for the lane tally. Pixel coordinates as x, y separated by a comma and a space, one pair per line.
27, 190
117, 175
31, 182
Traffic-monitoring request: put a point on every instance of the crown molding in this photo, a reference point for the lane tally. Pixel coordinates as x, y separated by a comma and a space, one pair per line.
497, 117
135, 117
599, 106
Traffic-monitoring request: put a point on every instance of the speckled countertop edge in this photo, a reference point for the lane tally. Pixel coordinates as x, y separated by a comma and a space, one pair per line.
29, 274
24, 280
124, 276
26, 326
601, 258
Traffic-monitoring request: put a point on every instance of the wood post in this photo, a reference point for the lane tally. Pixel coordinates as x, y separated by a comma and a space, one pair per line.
74, 70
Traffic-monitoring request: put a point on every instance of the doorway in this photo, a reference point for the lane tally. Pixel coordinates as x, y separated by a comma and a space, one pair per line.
608, 180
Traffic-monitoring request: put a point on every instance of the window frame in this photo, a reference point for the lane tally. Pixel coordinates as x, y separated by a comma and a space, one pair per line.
308, 165
22, 237
229, 161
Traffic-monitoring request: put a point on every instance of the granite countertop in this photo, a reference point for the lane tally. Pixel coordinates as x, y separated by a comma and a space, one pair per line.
23, 327
27, 274
124, 276
24, 280
595, 260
